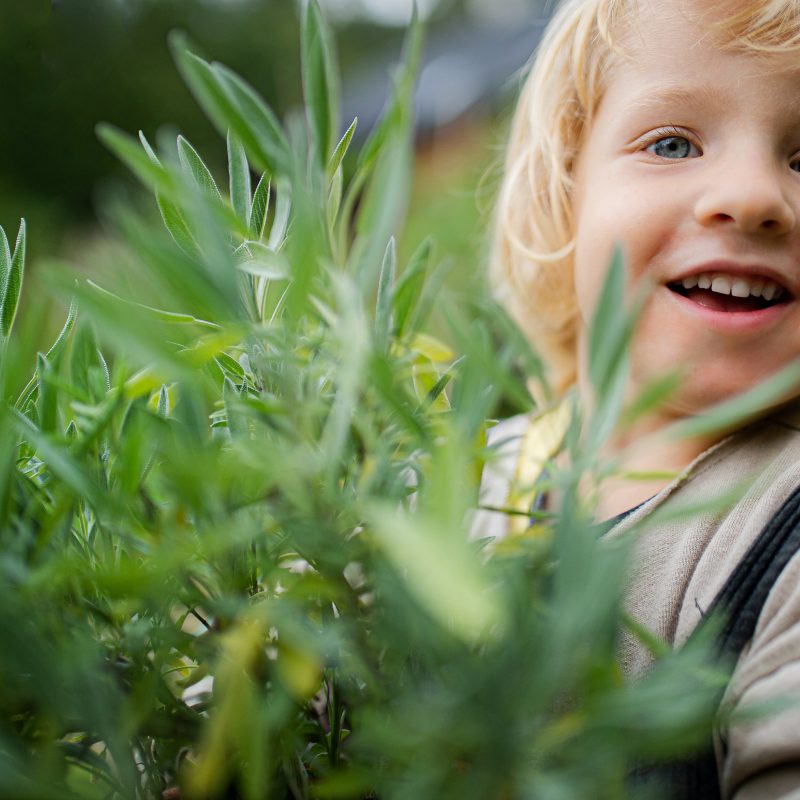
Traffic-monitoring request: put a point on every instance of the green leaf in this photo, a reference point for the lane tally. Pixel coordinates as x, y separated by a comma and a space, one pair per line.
386, 194
320, 81
159, 313
230, 396
341, 149
400, 100
441, 571
148, 149
334, 204
283, 207
196, 168
608, 332
653, 396
142, 163
83, 355
239, 178
46, 402
11, 280
233, 105
383, 309
56, 349
230, 365
408, 291
171, 214
258, 214
176, 224
259, 118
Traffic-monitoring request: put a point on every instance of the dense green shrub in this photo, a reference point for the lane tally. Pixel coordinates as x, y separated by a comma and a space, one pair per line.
234, 504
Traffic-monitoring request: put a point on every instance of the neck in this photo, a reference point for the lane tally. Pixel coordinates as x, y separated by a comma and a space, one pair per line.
646, 458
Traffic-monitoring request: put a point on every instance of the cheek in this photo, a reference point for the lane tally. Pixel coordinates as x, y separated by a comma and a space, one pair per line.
594, 246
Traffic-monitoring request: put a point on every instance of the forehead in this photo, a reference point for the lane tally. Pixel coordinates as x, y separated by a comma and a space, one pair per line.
681, 50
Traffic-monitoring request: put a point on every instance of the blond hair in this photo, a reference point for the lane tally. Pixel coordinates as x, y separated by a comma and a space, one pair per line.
531, 259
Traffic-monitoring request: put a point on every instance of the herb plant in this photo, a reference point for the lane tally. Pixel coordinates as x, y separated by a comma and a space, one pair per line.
235, 498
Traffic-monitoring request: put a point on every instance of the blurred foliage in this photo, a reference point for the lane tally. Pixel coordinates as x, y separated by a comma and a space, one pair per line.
235, 497
86, 60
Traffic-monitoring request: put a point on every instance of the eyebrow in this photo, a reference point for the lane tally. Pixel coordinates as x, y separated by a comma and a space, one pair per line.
679, 95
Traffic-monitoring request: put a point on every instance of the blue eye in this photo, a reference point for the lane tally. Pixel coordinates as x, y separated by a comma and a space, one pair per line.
671, 147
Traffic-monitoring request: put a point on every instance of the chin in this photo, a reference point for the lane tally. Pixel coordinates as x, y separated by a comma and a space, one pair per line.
703, 387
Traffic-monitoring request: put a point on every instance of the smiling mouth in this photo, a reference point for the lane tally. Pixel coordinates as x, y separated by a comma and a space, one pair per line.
731, 293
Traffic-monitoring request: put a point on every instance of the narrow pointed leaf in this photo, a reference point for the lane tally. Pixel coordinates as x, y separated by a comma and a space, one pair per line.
195, 166
260, 208
148, 148
172, 216
280, 222
408, 291
46, 401
176, 224
239, 178
57, 348
383, 309
163, 407
151, 172
5, 271
320, 81
13, 283
341, 149
611, 326
232, 105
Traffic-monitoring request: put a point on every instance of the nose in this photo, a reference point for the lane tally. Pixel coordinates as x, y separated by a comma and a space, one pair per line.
748, 194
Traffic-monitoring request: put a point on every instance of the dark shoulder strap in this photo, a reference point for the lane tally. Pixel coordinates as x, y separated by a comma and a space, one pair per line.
742, 597
740, 601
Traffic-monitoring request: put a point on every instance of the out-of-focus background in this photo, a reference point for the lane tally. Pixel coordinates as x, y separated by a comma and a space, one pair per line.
68, 64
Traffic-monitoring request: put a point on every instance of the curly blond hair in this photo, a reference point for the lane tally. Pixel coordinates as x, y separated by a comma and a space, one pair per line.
531, 258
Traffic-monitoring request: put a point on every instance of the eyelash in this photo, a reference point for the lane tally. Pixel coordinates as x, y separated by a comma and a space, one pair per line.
667, 132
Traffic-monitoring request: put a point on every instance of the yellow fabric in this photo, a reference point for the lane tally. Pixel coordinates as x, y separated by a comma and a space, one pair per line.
540, 444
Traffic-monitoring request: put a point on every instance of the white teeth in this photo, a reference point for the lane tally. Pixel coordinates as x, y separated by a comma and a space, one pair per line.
735, 285
740, 288
721, 285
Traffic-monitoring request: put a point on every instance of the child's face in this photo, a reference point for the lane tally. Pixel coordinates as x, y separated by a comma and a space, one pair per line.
693, 164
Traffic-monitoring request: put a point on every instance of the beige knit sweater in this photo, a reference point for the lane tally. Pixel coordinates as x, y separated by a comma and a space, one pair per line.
680, 566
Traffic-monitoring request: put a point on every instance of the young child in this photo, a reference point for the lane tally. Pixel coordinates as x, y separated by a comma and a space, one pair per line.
672, 128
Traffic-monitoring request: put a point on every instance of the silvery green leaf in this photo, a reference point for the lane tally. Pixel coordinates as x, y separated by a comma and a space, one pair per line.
239, 178
12, 282
163, 407
383, 308
54, 353
195, 167
258, 213
341, 149
273, 267
283, 207
320, 81
141, 162
171, 214
335, 199
233, 105
47, 399
408, 291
